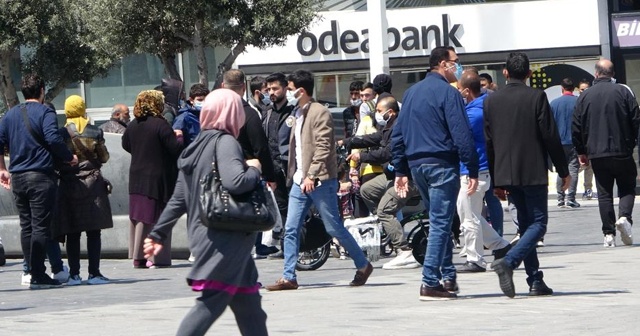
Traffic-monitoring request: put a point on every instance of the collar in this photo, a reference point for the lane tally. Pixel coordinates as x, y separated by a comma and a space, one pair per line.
437, 76
567, 93
119, 122
602, 80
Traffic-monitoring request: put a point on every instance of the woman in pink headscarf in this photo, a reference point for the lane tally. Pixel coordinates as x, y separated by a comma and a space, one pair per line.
223, 271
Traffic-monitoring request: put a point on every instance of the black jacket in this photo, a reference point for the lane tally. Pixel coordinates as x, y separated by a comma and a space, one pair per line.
254, 142
605, 121
278, 133
520, 132
379, 145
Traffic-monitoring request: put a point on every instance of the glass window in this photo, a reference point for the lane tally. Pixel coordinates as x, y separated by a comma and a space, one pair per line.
58, 101
632, 72
190, 65
122, 84
325, 90
344, 81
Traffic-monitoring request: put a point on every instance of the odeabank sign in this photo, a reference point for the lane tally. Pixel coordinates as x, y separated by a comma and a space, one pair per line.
332, 42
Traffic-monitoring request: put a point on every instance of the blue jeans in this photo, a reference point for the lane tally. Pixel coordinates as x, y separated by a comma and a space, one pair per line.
53, 253
324, 197
531, 203
438, 184
494, 207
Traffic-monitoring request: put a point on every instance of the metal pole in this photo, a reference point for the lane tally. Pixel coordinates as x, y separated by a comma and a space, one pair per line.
378, 40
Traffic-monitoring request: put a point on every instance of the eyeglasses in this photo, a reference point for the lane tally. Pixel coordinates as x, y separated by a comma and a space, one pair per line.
454, 61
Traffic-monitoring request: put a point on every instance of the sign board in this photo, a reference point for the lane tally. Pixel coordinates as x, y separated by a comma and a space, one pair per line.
625, 30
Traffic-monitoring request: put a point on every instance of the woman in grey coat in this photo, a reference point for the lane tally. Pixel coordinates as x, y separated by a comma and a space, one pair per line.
224, 271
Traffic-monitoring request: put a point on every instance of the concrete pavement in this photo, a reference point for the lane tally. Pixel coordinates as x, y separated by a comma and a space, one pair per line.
595, 293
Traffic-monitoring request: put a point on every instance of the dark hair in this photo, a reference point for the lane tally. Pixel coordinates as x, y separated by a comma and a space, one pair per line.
367, 85
302, 79
471, 80
198, 90
233, 79
256, 84
518, 65
584, 81
356, 86
487, 77
32, 86
567, 84
277, 77
438, 55
389, 102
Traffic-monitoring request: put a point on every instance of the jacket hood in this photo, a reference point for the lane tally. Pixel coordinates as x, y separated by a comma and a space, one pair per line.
189, 108
171, 89
190, 156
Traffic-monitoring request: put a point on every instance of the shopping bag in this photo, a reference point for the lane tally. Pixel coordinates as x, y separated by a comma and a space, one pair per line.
366, 232
267, 236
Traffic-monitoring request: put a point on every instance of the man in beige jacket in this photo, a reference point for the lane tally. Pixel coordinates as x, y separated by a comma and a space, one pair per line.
313, 174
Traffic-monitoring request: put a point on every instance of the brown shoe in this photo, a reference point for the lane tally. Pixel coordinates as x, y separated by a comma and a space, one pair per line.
435, 293
283, 284
362, 276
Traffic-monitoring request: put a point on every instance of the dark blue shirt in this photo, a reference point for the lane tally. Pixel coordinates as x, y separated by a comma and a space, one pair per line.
562, 109
26, 154
188, 122
432, 127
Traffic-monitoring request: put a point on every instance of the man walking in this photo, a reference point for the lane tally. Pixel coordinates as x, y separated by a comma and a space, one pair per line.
313, 169
30, 131
562, 108
605, 131
431, 136
520, 133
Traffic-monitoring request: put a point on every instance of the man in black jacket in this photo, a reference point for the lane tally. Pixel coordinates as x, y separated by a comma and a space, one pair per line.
378, 193
605, 131
253, 140
520, 132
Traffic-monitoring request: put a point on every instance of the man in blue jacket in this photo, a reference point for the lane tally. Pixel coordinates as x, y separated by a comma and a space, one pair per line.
33, 181
562, 108
477, 232
431, 136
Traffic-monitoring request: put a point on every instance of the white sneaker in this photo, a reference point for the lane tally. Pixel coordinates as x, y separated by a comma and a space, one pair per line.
515, 239
26, 279
74, 280
97, 280
624, 227
62, 276
609, 240
192, 258
404, 260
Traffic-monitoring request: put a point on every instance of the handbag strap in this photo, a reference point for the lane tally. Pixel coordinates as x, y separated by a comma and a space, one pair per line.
214, 164
27, 124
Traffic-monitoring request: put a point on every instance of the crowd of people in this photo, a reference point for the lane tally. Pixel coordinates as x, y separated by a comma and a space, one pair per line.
455, 140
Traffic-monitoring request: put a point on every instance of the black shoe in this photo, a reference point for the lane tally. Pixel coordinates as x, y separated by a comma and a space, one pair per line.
471, 267
560, 204
277, 255
3, 259
44, 283
435, 293
573, 204
500, 253
539, 288
266, 250
451, 286
505, 275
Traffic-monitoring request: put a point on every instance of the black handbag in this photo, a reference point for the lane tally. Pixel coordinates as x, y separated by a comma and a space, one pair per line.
221, 210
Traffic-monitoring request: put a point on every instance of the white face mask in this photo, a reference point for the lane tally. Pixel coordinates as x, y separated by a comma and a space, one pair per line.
380, 119
291, 97
356, 102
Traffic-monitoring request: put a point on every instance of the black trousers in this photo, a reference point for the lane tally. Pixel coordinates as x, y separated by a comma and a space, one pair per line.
94, 247
35, 196
622, 171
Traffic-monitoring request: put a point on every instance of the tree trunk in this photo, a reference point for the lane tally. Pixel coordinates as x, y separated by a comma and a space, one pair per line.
10, 97
228, 62
170, 67
53, 92
201, 57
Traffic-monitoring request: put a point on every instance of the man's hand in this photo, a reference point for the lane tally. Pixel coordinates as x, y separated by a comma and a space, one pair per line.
565, 182
308, 185
401, 186
151, 248
584, 160
354, 156
74, 161
255, 163
500, 193
5, 179
473, 185
272, 185
339, 143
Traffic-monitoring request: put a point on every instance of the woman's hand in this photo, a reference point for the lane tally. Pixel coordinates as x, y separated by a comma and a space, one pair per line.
255, 163
151, 248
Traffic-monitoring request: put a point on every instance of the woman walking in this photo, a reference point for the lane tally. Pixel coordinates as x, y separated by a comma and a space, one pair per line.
83, 197
224, 271
154, 151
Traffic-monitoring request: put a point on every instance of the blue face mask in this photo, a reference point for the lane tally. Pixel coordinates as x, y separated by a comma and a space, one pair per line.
266, 100
458, 71
197, 105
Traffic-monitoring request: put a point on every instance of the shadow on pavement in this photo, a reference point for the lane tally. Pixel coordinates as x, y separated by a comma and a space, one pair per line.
130, 281
525, 296
333, 285
14, 309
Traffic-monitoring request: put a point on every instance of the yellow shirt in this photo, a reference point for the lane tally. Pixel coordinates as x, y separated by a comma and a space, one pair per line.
365, 127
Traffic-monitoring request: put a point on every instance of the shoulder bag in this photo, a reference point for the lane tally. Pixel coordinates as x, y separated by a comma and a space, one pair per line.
222, 210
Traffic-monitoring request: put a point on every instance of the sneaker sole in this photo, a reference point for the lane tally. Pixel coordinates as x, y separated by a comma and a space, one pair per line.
434, 298
397, 267
74, 283
43, 286
98, 283
626, 238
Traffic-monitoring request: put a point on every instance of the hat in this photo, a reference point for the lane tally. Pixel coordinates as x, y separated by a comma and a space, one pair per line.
382, 83
486, 76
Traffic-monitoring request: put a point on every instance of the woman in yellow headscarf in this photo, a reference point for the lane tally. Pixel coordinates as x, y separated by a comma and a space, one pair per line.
84, 202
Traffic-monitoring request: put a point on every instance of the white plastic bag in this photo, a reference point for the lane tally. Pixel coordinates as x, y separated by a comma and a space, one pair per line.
267, 236
366, 232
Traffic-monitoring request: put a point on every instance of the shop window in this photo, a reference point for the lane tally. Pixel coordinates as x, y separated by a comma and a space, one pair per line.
344, 81
325, 90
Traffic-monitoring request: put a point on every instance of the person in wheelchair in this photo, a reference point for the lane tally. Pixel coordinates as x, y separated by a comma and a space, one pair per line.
378, 193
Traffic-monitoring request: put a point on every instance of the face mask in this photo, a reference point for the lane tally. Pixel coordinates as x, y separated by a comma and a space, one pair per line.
266, 99
291, 97
197, 105
356, 102
380, 119
458, 72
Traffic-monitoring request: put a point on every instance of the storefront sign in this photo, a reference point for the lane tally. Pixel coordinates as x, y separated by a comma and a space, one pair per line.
625, 30
489, 27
